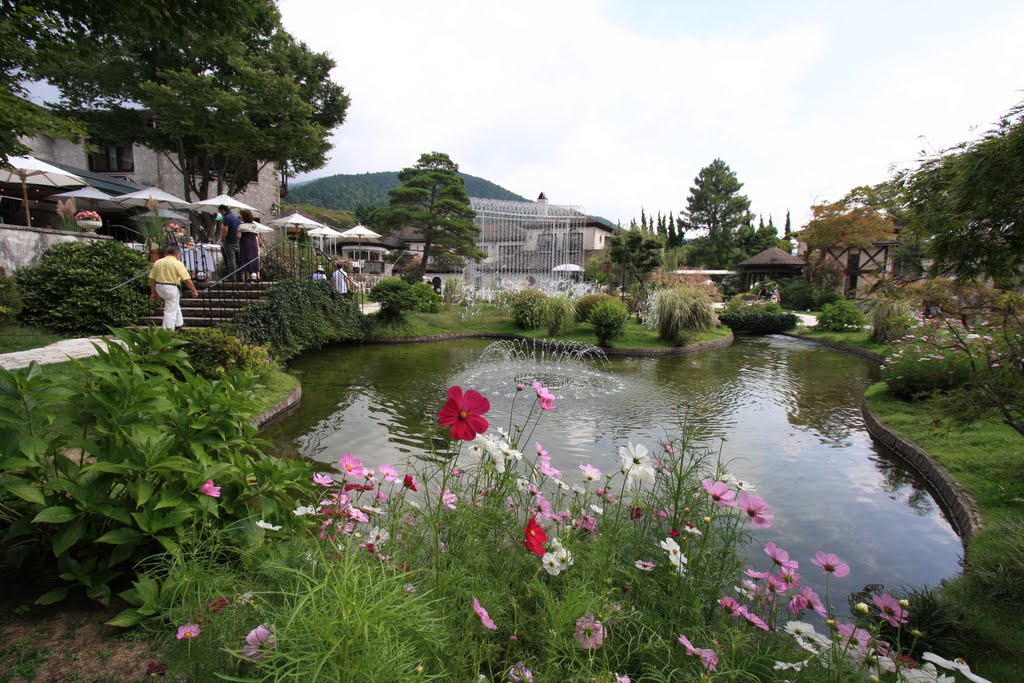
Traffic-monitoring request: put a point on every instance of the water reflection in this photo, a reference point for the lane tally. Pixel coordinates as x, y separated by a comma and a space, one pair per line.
785, 413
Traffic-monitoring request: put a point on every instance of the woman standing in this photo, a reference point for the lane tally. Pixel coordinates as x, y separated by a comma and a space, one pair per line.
249, 247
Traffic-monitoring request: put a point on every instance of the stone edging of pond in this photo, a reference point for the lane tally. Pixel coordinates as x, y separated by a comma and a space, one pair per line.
959, 504
282, 408
668, 351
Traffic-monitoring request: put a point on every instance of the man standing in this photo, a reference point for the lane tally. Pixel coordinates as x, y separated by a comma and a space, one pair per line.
164, 278
340, 279
229, 237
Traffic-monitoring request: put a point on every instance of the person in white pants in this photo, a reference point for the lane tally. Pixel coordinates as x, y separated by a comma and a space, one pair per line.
164, 278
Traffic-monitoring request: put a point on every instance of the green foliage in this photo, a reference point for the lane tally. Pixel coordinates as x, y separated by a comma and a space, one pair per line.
397, 296
559, 315
757, 317
107, 462
433, 200
335, 218
214, 353
299, 315
356, 190
716, 209
609, 320
841, 317
527, 307
585, 304
634, 254
890, 316
916, 368
68, 290
10, 295
799, 294
681, 310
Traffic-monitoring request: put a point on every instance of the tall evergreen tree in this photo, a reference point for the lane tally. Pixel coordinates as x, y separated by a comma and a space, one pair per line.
716, 210
643, 219
433, 200
789, 226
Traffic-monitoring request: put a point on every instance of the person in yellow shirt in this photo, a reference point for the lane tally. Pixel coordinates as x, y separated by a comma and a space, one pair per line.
165, 277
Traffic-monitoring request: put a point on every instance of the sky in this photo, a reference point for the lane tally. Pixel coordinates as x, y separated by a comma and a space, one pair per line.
614, 105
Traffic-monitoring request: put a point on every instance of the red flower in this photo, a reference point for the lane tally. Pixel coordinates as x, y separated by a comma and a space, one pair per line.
673, 533
636, 512
410, 483
534, 537
217, 604
463, 413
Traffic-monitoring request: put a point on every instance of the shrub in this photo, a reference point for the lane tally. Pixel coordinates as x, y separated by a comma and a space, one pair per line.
214, 353
10, 295
559, 315
527, 308
842, 316
585, 304
822, 296
108, 462
925, 363
298, 315
396, 296
67, 291
609, 320
683, 309
890, 318
797, 293
757, 317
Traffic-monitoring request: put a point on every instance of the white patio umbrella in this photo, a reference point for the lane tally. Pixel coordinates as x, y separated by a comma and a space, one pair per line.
96, 198
32, 171
163, 199
259, 227
567, 268
168, 215
296, 220
360, 232
213, 204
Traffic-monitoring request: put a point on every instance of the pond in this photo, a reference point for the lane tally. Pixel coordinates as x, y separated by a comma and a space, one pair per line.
785, 413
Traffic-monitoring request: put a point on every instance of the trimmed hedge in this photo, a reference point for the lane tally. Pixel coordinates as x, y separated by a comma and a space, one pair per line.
585, 304
609, 320
396, 296
757, 320
68, 290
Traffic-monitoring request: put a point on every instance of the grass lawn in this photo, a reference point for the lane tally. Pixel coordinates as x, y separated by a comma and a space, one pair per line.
279, 385
858, 339
492, 319
987, 460
15, 337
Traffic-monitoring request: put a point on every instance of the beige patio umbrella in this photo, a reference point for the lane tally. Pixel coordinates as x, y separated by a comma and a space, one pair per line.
164, 200
96, 198
360, 232
296, 220
32, 171
213, 204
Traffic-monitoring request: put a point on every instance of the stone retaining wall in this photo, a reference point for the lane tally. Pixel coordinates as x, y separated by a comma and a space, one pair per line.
22, 246
668, 351
281, 409
961, 507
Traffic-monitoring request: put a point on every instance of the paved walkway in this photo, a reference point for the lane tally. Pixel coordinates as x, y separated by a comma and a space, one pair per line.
59, 352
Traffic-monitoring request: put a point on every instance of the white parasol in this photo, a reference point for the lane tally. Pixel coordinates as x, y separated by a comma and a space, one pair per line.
32, 171
296, 220
96, 198
360, 232
213, 204
163, 199
567, 268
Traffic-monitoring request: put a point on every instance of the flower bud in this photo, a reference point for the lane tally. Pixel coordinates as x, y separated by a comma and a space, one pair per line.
419, 669
861, 608
707, 520
520, 387
904, 603
916, 633
831, 623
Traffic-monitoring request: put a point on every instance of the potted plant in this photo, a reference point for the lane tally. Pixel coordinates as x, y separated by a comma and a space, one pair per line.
89, 221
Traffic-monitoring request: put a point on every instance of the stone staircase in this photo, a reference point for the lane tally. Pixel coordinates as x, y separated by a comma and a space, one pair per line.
212, 307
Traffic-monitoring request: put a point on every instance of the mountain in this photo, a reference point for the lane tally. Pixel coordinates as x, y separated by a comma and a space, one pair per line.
354, 190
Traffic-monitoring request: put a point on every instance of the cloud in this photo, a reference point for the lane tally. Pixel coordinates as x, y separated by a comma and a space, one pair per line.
567, 98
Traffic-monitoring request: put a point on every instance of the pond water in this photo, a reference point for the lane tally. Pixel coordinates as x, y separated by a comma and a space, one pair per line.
786, 414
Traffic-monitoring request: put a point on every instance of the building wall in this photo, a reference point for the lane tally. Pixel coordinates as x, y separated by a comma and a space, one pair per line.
21, 247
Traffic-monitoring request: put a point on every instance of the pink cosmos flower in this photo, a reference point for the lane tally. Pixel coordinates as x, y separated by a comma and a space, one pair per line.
209, 489
856, 636
323, 479
519, 673
622, 679
752, 618
720, 493
685, 642
590, 473
258, 639
813, 600
645, 566
388, 472
544, 465
790, 576
464, 413
797, 605
780, 556
831, 564
544, 397
448, 499
188, 631
729, 604
351, 466
589, 632
756, 575
709, 659
482, 613
890, 609
756, 509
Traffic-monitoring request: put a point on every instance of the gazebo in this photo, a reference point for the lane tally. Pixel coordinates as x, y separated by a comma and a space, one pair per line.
771, 264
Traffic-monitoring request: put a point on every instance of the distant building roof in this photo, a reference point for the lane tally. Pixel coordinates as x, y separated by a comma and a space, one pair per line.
773, 256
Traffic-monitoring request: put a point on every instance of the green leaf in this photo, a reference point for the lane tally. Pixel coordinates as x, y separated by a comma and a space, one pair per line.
128, 617
55, 515
107, 467
119, 536
142, 490
68, 536
169, 499
26, 491
16, 463
52, 596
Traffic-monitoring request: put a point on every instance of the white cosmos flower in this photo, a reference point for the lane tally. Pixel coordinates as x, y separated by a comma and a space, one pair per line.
800, 628
742, 485
551, 564
576, 488
795, 666
675, 554
378, 536
561, 484
268, 526
597, 509
523, 484
926, 674
955, 665
645, 566
304, 510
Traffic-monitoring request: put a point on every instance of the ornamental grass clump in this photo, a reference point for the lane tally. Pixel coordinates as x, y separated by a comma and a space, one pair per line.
679, 311
559, 315
488, 562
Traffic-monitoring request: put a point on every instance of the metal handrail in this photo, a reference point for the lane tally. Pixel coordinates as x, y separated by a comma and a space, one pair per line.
146, 272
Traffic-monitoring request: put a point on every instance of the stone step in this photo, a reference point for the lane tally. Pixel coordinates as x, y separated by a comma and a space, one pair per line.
157, 320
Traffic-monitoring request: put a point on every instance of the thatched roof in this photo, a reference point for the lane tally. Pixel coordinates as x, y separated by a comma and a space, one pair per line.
773, 256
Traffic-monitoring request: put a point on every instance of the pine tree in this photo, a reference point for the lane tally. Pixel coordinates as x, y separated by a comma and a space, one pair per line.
716, 208
789, 226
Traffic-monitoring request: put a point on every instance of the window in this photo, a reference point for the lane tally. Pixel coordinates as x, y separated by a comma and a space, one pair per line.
113, 159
